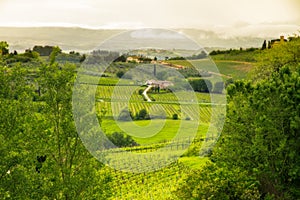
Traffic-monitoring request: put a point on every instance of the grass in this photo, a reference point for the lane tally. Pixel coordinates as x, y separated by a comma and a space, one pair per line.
166, 131
96, 79
234, 69
195, 162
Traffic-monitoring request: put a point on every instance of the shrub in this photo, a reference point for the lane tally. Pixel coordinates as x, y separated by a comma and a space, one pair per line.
120, 74
125, 115
175, 116
213, 182
143, 114
122, 140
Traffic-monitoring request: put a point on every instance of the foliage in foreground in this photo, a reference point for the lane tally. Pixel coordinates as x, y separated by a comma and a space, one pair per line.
213, 182
257, 155
42, 156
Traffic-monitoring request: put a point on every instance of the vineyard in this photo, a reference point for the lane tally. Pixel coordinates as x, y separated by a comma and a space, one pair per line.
160, 184
115, 98
114, 108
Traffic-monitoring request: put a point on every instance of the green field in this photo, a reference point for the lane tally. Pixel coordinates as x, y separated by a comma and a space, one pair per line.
159, 130
226, 68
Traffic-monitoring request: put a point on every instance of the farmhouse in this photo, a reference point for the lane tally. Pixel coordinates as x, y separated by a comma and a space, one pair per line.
275, 42
160, 84
133, 59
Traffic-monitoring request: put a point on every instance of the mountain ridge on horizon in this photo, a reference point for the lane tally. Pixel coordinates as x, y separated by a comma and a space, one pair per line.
83, 39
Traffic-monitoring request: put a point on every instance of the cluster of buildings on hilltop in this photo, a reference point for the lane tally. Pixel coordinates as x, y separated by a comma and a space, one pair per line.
274, 42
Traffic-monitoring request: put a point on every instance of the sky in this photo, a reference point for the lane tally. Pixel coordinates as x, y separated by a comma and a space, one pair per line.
235, 17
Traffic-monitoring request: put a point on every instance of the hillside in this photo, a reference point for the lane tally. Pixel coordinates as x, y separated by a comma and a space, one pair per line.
226, 68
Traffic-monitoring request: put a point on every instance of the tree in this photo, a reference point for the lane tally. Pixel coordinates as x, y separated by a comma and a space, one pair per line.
175, 116
261, 133
46, 50
121, 58
55, 51
4, 50
213, 182
143, 114
201, 85
17, 121
69, 172
121, 140
120, 74
264, 46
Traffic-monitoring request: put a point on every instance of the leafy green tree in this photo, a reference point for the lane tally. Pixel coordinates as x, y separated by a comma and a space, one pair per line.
120, 74
54, 54
261, 133
42, 156
201, 85
143, 114
70, 172
16, 125
213, 182
44, 50
121, 140
4, 50
175, 116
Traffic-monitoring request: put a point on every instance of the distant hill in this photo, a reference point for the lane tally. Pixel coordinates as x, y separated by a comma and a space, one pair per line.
80, 39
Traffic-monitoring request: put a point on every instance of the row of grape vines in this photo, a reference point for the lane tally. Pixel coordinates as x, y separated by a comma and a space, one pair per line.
113, 109
160, 184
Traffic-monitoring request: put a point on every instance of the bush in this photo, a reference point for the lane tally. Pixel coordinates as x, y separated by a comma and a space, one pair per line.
175, 116
125, 115
143, 114
120, 74
213, 182
141, 91
201, 85
122, 140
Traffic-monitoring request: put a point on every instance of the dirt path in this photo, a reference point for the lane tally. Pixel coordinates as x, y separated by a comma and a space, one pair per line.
145, 93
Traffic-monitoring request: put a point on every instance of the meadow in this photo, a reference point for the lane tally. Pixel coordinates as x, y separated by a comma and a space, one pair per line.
225, 68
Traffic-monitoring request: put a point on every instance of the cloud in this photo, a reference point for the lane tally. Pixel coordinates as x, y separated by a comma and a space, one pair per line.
156, 34
231, 15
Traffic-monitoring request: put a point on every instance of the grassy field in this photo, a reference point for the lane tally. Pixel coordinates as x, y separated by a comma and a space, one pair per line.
234, 69
159, 130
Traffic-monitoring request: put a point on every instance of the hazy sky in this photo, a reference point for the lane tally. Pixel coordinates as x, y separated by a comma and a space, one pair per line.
233, 16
